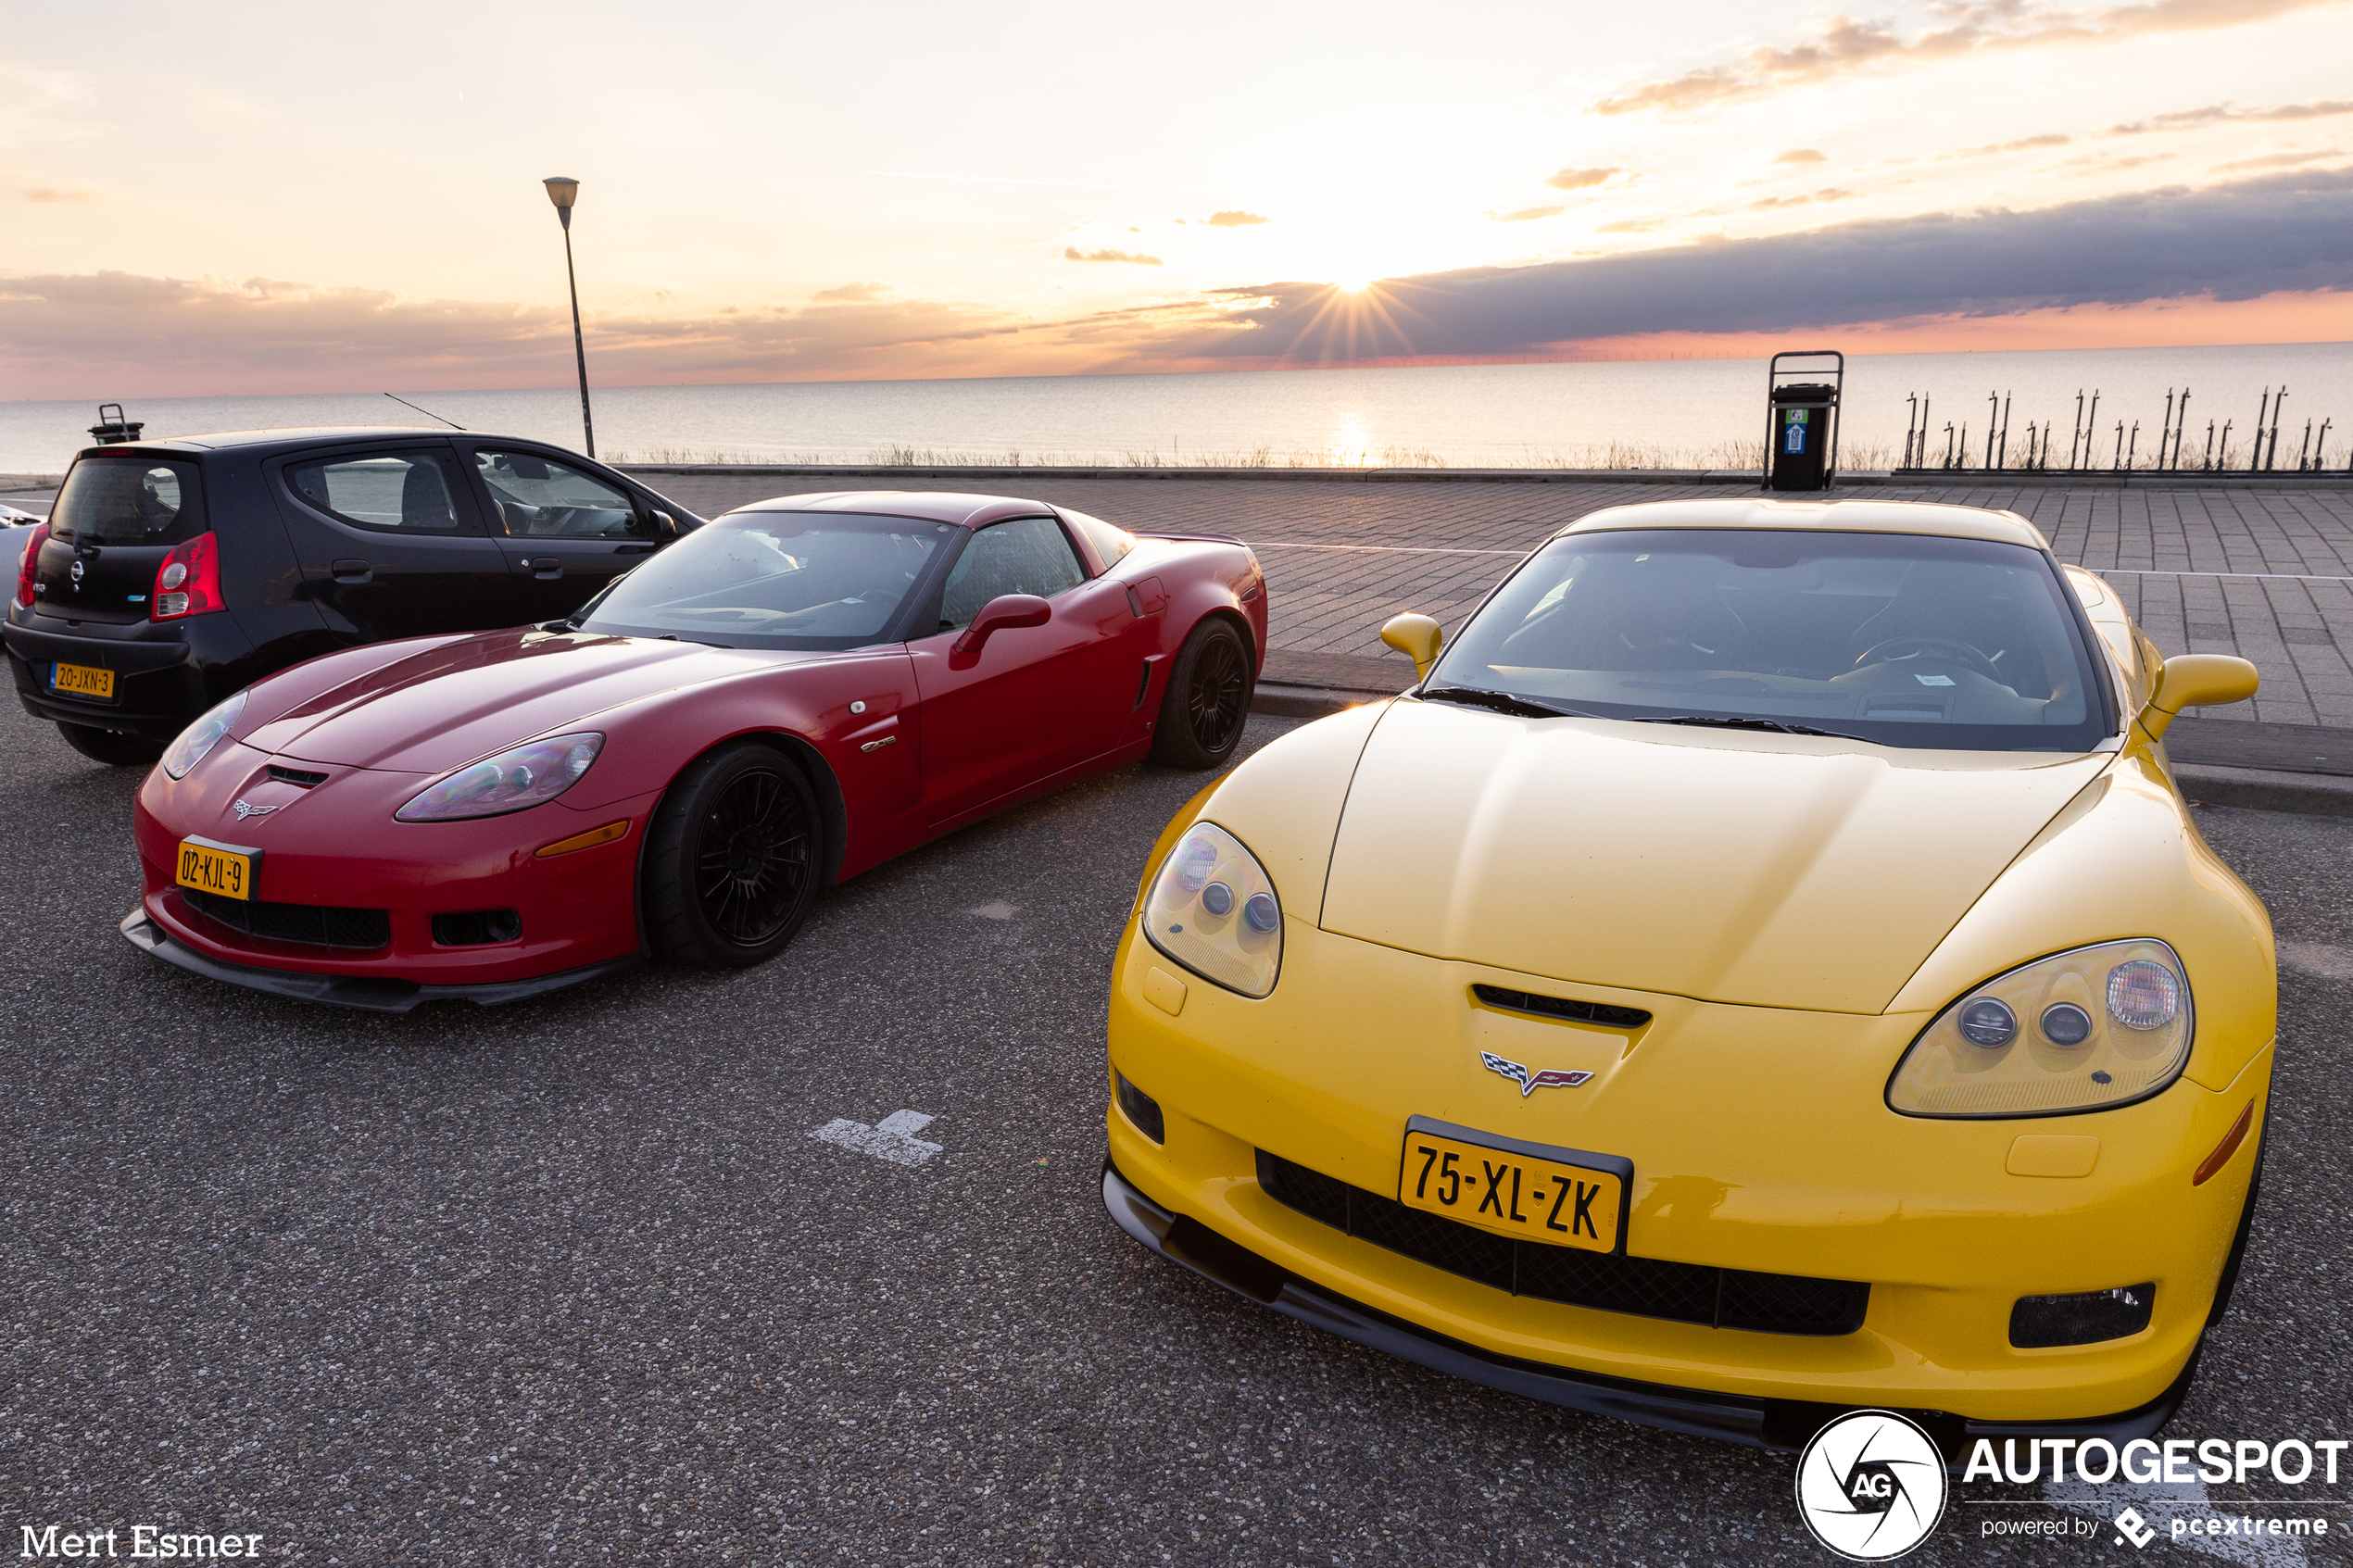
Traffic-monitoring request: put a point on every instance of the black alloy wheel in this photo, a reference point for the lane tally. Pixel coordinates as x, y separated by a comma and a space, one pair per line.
111, 747
732, 858
1208, 698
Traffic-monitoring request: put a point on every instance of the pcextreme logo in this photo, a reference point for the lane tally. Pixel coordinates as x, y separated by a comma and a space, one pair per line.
1870, 1485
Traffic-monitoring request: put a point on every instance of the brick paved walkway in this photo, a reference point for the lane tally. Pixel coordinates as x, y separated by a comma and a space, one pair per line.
2267, 575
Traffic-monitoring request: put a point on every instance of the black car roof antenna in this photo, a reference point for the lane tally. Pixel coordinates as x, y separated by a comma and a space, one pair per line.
426, 412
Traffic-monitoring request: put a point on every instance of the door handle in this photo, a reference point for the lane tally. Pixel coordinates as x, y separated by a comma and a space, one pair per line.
354, 572
545, 568
634, 549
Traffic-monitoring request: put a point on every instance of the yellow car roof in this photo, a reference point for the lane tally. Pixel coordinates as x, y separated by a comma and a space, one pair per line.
1855, 517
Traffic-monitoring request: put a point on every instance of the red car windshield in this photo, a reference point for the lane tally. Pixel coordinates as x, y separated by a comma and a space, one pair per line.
1899, 639
775, 580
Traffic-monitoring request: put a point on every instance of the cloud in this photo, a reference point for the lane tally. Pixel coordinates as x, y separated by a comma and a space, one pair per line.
49, 195
1233, 219
1844, 46
1633, 226
2278, 160
1071, 253
1802, 155
2024, 143
2233, 242
2109, 163
1827, 193
1581, 179
1525, 213
120, 333
851, 294
2213, 114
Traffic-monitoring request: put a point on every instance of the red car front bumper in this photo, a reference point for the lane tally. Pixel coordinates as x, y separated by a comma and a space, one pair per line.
345, 898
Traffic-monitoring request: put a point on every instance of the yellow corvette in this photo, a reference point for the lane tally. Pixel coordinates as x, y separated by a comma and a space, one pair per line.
1765, 968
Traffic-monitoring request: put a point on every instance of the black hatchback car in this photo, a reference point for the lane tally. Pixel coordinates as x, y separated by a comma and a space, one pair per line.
173, 572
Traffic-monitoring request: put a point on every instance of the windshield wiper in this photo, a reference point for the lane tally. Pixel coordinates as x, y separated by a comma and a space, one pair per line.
1500, 702
1775, 725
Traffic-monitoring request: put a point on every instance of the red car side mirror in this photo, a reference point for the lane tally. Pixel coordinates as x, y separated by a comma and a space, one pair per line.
1003, 611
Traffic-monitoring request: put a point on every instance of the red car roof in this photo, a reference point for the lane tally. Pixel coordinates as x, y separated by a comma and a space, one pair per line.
931, 505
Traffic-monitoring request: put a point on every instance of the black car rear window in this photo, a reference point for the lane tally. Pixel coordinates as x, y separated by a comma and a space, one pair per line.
130, 500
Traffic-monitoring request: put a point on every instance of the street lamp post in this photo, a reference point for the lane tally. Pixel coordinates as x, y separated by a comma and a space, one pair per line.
564, 193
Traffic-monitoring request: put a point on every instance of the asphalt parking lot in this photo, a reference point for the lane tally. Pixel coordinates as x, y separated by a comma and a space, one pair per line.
569, 1281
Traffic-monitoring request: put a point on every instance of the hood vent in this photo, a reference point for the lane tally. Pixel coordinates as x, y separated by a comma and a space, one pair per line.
1562, 1007
300, 778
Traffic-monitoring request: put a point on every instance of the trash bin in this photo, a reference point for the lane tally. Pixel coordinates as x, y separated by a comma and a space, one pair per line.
1801, 425
114, 431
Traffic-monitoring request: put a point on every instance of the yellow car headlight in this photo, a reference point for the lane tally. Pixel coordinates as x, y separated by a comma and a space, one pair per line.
1213, 909
2087, 1029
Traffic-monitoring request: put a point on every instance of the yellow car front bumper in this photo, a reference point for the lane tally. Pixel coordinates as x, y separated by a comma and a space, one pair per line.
1761, 1142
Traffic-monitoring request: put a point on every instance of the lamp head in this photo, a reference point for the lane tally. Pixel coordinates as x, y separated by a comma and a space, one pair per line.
563, 191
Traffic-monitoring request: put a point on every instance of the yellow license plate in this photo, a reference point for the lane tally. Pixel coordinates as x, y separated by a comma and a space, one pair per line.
1559, 1196
218, 868
81, 680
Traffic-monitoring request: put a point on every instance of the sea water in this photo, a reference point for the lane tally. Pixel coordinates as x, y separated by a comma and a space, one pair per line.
1705, 413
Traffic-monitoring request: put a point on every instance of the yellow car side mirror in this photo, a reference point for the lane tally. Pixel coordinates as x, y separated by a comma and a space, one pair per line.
2196, 680
1417, 637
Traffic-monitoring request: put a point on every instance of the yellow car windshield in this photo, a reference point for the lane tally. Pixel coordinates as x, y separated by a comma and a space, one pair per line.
1905, 640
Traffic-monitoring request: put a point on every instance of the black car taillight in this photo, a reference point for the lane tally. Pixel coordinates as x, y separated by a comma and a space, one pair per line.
1140, 1109
2038, 1322
188, 582
31, 564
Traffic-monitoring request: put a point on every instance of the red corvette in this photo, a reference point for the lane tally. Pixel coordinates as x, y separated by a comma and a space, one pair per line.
788, 695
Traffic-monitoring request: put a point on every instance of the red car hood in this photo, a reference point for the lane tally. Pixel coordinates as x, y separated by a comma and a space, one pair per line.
437, 706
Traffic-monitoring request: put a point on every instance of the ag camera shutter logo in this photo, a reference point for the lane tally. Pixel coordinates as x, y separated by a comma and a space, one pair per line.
1871, 1486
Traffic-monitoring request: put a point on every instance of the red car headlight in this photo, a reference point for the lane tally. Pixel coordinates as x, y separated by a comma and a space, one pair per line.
513, 781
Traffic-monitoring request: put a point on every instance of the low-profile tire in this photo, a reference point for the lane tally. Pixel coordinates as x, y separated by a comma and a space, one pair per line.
111, 747
1207, 701
732, 858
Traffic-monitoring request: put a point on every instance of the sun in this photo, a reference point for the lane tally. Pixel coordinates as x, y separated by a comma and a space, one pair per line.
1355, 284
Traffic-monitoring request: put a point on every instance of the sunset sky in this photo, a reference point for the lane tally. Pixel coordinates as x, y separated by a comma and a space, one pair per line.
291, 198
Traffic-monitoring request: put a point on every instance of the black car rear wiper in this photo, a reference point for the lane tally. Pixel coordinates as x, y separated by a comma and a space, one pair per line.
1775, 725
1500, 702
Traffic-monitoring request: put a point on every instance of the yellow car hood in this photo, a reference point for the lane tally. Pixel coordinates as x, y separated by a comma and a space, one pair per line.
1778, 871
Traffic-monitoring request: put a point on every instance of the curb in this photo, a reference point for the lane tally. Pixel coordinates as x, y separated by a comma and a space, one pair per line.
2260, 789
2252, 789
1934, 479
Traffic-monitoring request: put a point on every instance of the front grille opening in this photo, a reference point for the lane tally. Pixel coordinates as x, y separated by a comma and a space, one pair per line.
315, 924
2039, 1323
1648, 1288
475, 928
1140, 1109
302, 778
1561, 1007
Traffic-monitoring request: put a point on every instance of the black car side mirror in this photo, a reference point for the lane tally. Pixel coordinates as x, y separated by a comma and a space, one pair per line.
1001, 613
665, 526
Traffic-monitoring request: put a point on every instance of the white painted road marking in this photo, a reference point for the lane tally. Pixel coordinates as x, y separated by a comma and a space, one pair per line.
892, 1138
2318, 957
999, 910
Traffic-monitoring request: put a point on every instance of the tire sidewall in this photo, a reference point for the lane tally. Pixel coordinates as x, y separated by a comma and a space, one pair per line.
676, 919
1173, 743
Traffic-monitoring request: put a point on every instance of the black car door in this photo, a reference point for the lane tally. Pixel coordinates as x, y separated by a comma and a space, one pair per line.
565, 532
391, 542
